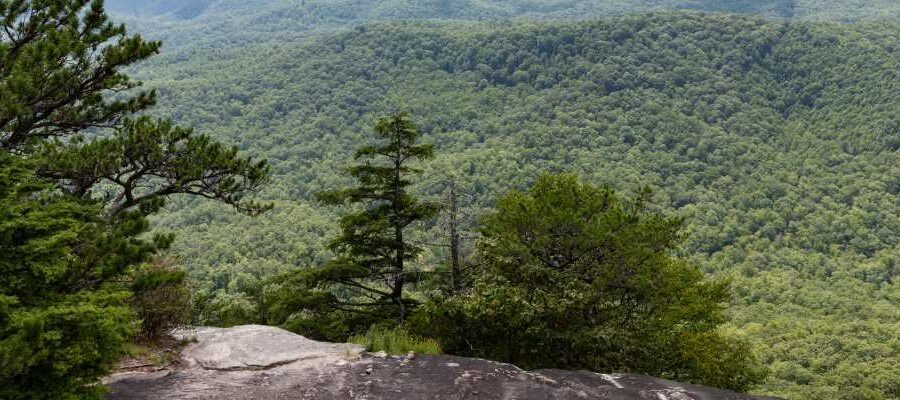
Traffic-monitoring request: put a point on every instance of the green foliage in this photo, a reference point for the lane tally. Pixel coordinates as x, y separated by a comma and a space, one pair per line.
61, 323
373, 253
55, 66
146, 160
577, 278
395, 341
160, 299
371, 268
60, 61
225, 309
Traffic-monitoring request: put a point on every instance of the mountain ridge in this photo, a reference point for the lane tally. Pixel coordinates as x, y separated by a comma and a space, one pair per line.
188, 24
373, 10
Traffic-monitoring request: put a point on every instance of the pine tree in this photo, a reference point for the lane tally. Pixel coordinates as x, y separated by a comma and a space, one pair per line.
373, 250
59, 62
58, 59
364, 284
64, 319
146, 160
73, 205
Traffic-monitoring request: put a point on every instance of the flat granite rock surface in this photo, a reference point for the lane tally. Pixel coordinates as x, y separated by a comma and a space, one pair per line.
252, 347
259, 362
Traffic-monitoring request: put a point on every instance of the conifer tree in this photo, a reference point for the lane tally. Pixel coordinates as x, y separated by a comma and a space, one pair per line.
373, 249
58, 61
364, 283
78, 177
64, 319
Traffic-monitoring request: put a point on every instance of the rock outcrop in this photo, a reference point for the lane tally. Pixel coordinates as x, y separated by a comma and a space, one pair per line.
260, 362
257, 347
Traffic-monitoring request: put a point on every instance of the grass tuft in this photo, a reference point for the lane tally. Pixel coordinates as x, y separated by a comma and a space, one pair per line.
395, 341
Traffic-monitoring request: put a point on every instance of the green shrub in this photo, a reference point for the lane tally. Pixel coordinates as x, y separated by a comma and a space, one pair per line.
63, 324
395, 341
577, 278
161, 299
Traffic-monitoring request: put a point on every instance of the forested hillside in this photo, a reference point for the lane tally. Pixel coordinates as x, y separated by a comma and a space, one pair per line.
778, 142
224, 24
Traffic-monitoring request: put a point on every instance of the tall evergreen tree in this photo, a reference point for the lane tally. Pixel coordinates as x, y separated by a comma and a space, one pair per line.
364, 284
373, 251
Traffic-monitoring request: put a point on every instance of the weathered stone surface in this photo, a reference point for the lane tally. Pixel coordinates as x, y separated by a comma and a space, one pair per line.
246, 363
255, 347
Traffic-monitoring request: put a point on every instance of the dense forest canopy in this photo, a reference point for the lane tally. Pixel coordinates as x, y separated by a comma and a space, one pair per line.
778, 142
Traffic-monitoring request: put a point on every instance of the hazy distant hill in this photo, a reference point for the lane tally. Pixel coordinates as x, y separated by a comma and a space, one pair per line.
348, 11
168, 8
228, 24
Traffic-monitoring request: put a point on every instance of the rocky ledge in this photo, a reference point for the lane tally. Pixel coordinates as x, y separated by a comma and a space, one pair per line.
262, 362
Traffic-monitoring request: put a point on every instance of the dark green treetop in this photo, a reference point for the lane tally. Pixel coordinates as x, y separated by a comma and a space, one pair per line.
58, 60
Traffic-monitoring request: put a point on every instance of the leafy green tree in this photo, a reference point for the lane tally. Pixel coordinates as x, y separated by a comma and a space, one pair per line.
370, 271
577, 278
161, 298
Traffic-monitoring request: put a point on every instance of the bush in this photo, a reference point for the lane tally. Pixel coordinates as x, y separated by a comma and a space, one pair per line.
225, 309
161, 300
395, 341
577, 278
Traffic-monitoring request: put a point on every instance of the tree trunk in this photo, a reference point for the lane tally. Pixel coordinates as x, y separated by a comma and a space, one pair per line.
456, 269
397, 290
